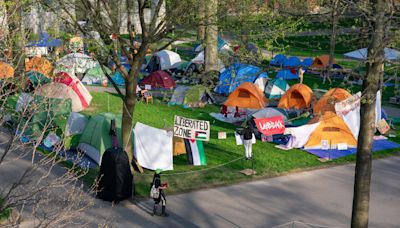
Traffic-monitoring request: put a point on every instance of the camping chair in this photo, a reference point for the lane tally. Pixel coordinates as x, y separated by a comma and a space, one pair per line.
146, 95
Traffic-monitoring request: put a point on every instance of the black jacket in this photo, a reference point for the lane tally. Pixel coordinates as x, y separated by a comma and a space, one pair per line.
247, 133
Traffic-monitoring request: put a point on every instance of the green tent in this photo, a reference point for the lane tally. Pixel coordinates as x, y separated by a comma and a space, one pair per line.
37, 78
197, 95
95, 75
96, 136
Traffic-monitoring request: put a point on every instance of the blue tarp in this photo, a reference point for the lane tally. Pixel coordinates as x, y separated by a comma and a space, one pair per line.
307, 62
278, 60
45, 40
377, 145
235, 75
286, 74
292, 62
118, 79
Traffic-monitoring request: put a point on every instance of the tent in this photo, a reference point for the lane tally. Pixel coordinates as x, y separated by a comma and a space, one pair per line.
62, 91
96, 137
362, 54
76, 44
332, 129
276, 88
261, 81
292, 62
178, 97
37, 79
124, 61
271, 112
153, 147
287, 74
247, 95
237, 74
80, 63
299, 96
278, 60
95, 75
163, 60
75, 84
307, 62
159, 79
195, 96
45, 40
118, 79
329, 99
321, 62
76, 124
40, 65
6, 71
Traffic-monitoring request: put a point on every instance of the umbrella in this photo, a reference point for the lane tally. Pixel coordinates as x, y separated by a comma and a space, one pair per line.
80, 63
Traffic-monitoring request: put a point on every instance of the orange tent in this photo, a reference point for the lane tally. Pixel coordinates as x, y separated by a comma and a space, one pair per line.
299, 96
40, 65
321, 62
331, 128
329, 99
6, 71
247, 95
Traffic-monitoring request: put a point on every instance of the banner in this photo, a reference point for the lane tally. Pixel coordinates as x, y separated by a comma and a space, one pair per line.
349, 111
270, 126
191, 129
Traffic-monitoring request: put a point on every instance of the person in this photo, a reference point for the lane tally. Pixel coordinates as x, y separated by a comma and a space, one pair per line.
224, 111
301, 74
247, 142
325, 76
161, 196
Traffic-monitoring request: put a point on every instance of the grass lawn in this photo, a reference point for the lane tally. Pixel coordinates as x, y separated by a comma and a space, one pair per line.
269, 161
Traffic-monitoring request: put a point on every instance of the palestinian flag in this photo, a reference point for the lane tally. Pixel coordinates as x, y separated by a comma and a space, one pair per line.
195, 152
200, 135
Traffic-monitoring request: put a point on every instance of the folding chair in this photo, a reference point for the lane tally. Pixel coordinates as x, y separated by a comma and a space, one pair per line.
146, 95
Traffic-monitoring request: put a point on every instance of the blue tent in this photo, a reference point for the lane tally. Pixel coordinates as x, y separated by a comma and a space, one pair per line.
287, 74
124, 61
292, 62
235, 75
118, 79
307, 62
45, 40
220, 44
278, 60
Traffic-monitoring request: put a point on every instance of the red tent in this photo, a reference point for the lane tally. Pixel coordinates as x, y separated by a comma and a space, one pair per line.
159, 79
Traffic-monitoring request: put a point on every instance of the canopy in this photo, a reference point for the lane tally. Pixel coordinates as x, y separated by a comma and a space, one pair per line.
6, 71
362, 54
45, 40
40, 65
247, 95
80, 63
299, 96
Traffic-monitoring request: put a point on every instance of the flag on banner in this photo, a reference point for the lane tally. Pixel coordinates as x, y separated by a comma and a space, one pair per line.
270, 126
195, 152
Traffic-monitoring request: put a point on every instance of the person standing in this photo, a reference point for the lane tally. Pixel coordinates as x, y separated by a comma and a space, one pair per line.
247, 142
157, 186
301, 74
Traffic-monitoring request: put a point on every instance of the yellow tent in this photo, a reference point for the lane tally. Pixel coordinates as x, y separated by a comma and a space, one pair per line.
331, 128
6, 71
299, 96
329, 99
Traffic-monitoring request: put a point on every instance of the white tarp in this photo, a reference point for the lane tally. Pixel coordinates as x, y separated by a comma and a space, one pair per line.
76, 124
349, 111
362, 54
153, 147
300, 135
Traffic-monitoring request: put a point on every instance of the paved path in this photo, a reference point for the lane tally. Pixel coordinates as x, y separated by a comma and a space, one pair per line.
322, 197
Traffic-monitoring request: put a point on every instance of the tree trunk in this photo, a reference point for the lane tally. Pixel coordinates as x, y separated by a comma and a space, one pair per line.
211, 51
335, 19
201, 29
367, 129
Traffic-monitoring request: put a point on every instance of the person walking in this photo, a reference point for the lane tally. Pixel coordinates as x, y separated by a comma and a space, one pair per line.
158, 194
247, 142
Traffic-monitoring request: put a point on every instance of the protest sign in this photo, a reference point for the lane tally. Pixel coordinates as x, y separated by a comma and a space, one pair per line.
270, 126
191, 128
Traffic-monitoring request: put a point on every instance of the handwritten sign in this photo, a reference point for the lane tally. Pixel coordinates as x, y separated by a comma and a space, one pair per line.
191, 128
270, 126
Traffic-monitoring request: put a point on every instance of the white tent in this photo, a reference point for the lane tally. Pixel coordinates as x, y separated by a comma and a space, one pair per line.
168, 59
361, 54
199, 59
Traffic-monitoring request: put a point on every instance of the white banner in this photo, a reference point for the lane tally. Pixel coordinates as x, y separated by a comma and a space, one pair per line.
191, 128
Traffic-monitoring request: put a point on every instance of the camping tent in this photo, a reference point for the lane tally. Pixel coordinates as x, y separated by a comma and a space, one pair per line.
307, 62
287, 74
278, 60
276, 88
95, 75
321, 62
36, 78
96, 136
62, 91
163, 60
74, 83
159, 79
80, 63
195, 96
332, 129
6, 71
362, 54
237, 74
247, 95
271, 112
261, 81
292, 62
40, 65
299, 96
329, 99
118, 79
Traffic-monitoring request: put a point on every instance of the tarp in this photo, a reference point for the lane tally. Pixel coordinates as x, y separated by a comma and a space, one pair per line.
292, 62
271, 112
349, 111
300, 135
153, 147
40, 65
235, 75
278, 60
299, 96
95, 75
6, 71
247, 95
159, 79
287, 74
276, 88
362, 54
80, 63
45, 40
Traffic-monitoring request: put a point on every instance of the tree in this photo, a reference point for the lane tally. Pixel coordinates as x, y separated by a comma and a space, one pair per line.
201, 27
378, 13
211, 50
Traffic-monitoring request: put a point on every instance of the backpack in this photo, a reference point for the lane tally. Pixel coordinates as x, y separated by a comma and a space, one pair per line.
154, 192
